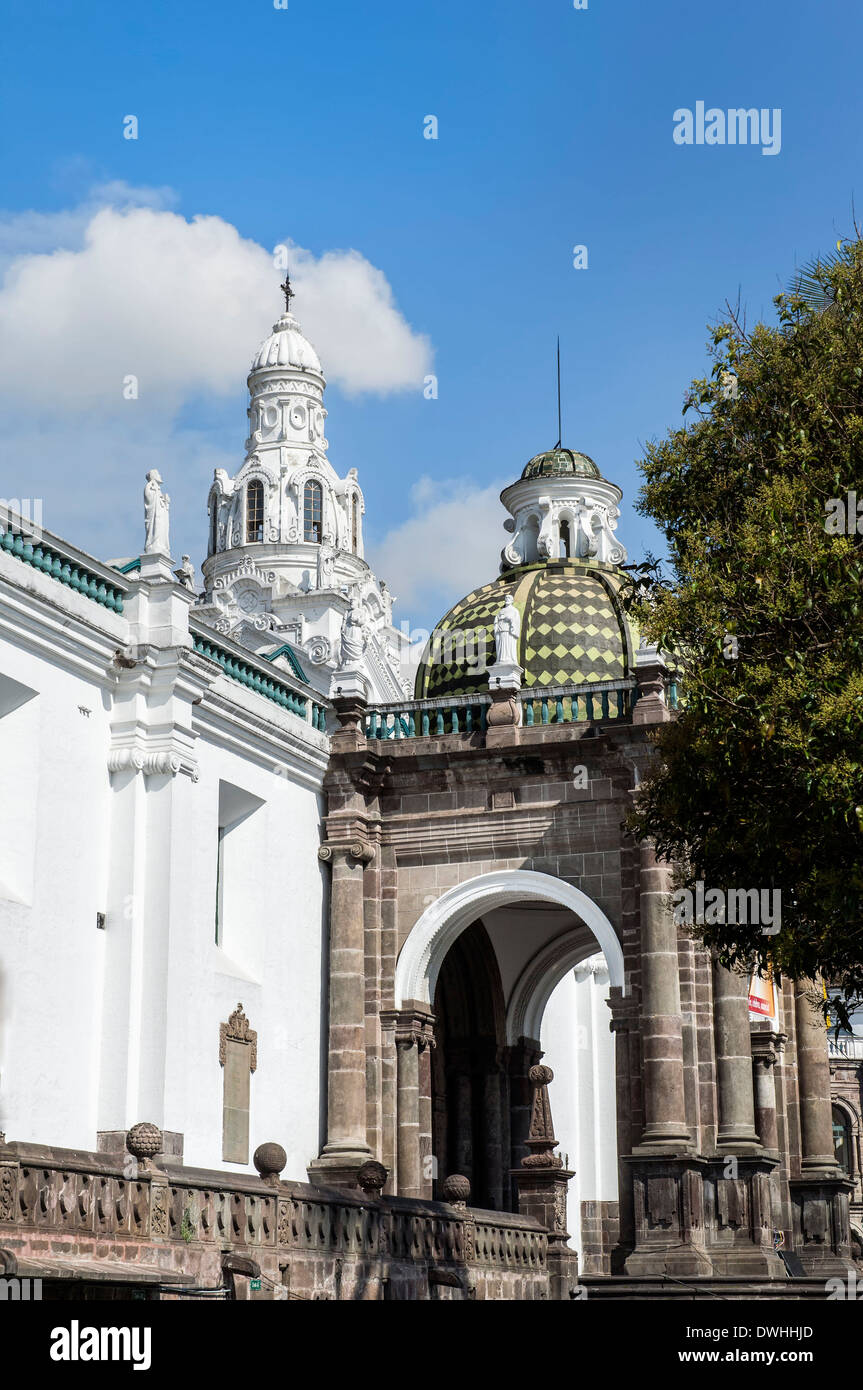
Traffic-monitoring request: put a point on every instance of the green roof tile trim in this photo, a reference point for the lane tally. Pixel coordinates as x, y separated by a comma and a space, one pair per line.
573, 632
254, 678
64, 570
287, 651
127, 569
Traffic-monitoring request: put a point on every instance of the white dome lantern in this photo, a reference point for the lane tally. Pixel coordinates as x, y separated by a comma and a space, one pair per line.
287, 347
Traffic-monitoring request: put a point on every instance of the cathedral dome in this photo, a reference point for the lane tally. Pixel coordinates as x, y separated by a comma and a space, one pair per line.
561, 463
573, 631
286, 347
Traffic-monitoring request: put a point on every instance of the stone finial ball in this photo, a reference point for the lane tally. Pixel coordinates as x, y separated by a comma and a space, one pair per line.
456, 1189
541, 1076
269, 1159
372, 1177
144, 1141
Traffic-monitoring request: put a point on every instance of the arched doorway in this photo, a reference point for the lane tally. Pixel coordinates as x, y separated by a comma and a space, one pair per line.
470, 1092
484, 959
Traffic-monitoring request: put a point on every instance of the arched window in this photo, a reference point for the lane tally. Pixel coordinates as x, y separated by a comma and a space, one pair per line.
255, 511
842, 1138
564, 540
214, 523
313, 512
355, 523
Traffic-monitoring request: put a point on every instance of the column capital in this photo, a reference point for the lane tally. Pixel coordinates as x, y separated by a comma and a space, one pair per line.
354, 851
413, 1026
767, 1045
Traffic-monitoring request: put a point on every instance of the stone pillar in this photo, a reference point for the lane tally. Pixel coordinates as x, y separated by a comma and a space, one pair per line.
624, 1026
652, 676
504, 714
427, 1174
766, 1047
667, 1176
820, 1196
662, 1029
813, 1069
413, 1036
740, 1221
733, 1060
346, 1148
408, 1173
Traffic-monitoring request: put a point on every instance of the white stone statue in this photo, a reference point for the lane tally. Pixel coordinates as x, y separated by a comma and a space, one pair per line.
186, 573
507, 627
354, 636
326, 565
156, 510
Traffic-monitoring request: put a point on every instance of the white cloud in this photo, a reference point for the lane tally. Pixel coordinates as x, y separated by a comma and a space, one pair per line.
30, 232
100, 293
450, 546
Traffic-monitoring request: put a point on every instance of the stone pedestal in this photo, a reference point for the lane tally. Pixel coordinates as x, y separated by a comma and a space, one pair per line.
652, 675
504, 715
739, 1216
542, 1183
348, 694
668, 1202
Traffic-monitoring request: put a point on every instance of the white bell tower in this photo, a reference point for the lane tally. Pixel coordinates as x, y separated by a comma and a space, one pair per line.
285, 556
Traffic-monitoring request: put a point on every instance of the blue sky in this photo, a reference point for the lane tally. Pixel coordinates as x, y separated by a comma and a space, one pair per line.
555, 129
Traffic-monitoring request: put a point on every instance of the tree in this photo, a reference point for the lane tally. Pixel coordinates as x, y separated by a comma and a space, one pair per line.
759, 781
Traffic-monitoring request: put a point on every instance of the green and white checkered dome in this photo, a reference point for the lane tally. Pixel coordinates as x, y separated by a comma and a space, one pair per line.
573, 631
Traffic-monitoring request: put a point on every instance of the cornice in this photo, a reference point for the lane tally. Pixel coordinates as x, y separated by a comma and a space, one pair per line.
55, 627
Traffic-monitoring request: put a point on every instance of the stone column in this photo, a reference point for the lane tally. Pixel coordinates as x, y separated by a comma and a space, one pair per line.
427, 1174
733, 1060
820, 1196
346, 1148
408, 1173
813, 1069
667, 1179
662, 1029
413, 1035
766, 1046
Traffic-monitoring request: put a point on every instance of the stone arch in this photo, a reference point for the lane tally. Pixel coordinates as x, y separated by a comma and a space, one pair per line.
439, 926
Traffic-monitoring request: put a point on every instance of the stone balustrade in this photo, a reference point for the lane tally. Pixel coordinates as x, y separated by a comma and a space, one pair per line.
184, 1232
597, 702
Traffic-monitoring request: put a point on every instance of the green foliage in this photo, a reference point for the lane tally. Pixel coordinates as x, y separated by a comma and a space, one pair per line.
760, 783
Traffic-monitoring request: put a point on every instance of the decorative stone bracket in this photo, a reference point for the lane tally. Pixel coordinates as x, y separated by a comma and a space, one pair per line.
135, 757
